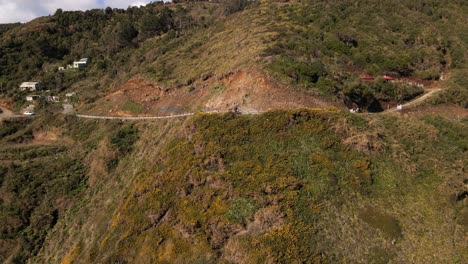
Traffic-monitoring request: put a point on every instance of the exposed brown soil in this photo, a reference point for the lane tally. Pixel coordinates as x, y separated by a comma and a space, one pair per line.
46, 137
6, 103
249, 89
50, 137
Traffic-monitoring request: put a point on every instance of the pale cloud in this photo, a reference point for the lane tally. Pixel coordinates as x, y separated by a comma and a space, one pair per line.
25, 10
12, 12
124, 3
53, 5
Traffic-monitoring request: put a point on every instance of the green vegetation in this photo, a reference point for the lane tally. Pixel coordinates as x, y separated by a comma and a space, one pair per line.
284, 186
36, 182
456, 92
40, 183
324, 45
371, 94
133, 107
124, 139
107, 36
319, 47
241, 211
295, 186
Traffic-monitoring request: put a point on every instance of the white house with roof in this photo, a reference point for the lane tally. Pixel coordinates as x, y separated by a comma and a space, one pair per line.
82, 63
31, 86
31, 98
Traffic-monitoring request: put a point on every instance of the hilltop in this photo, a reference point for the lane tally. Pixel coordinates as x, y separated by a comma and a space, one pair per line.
290, 176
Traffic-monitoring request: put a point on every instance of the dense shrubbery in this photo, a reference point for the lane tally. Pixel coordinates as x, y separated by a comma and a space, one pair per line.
282, 186
265, 187
456, 91
10, 127
378, 37
37, 184
70, 35
124, 139
234, 165
370, 94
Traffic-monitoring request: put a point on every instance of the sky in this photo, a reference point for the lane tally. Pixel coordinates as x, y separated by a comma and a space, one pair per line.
25, 10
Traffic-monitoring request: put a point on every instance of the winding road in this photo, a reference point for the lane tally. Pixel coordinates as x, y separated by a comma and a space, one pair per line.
7, 114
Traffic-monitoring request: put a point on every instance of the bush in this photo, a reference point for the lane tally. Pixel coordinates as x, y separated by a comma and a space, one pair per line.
241, 210
124, 139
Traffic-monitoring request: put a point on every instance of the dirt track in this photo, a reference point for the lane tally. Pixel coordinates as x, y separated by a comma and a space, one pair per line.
416, 101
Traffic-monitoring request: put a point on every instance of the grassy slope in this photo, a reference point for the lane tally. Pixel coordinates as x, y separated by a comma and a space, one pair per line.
227, 188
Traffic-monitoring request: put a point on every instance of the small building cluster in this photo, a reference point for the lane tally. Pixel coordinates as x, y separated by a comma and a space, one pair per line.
79, 64
33, 86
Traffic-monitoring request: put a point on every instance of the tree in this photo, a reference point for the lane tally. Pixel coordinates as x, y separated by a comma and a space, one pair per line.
108, 11
58, 12
150, 25
156, 23
126, 32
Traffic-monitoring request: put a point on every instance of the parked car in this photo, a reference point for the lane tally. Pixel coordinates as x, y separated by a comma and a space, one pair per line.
28, 113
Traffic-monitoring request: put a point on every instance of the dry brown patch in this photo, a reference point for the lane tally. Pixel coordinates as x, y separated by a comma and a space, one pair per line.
7, 103
98, 162
250, 89
51, 136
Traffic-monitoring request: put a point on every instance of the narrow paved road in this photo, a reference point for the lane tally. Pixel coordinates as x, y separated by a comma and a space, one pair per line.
162, 117
133, 117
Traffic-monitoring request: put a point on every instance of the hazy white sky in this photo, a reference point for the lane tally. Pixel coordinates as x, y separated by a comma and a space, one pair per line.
25, 10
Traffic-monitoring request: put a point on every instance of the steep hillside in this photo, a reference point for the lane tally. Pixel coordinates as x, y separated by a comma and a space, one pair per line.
280, 187
290, 177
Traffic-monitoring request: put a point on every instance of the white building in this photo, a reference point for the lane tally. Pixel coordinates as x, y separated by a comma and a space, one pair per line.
31, 98
31, 86
82, 63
